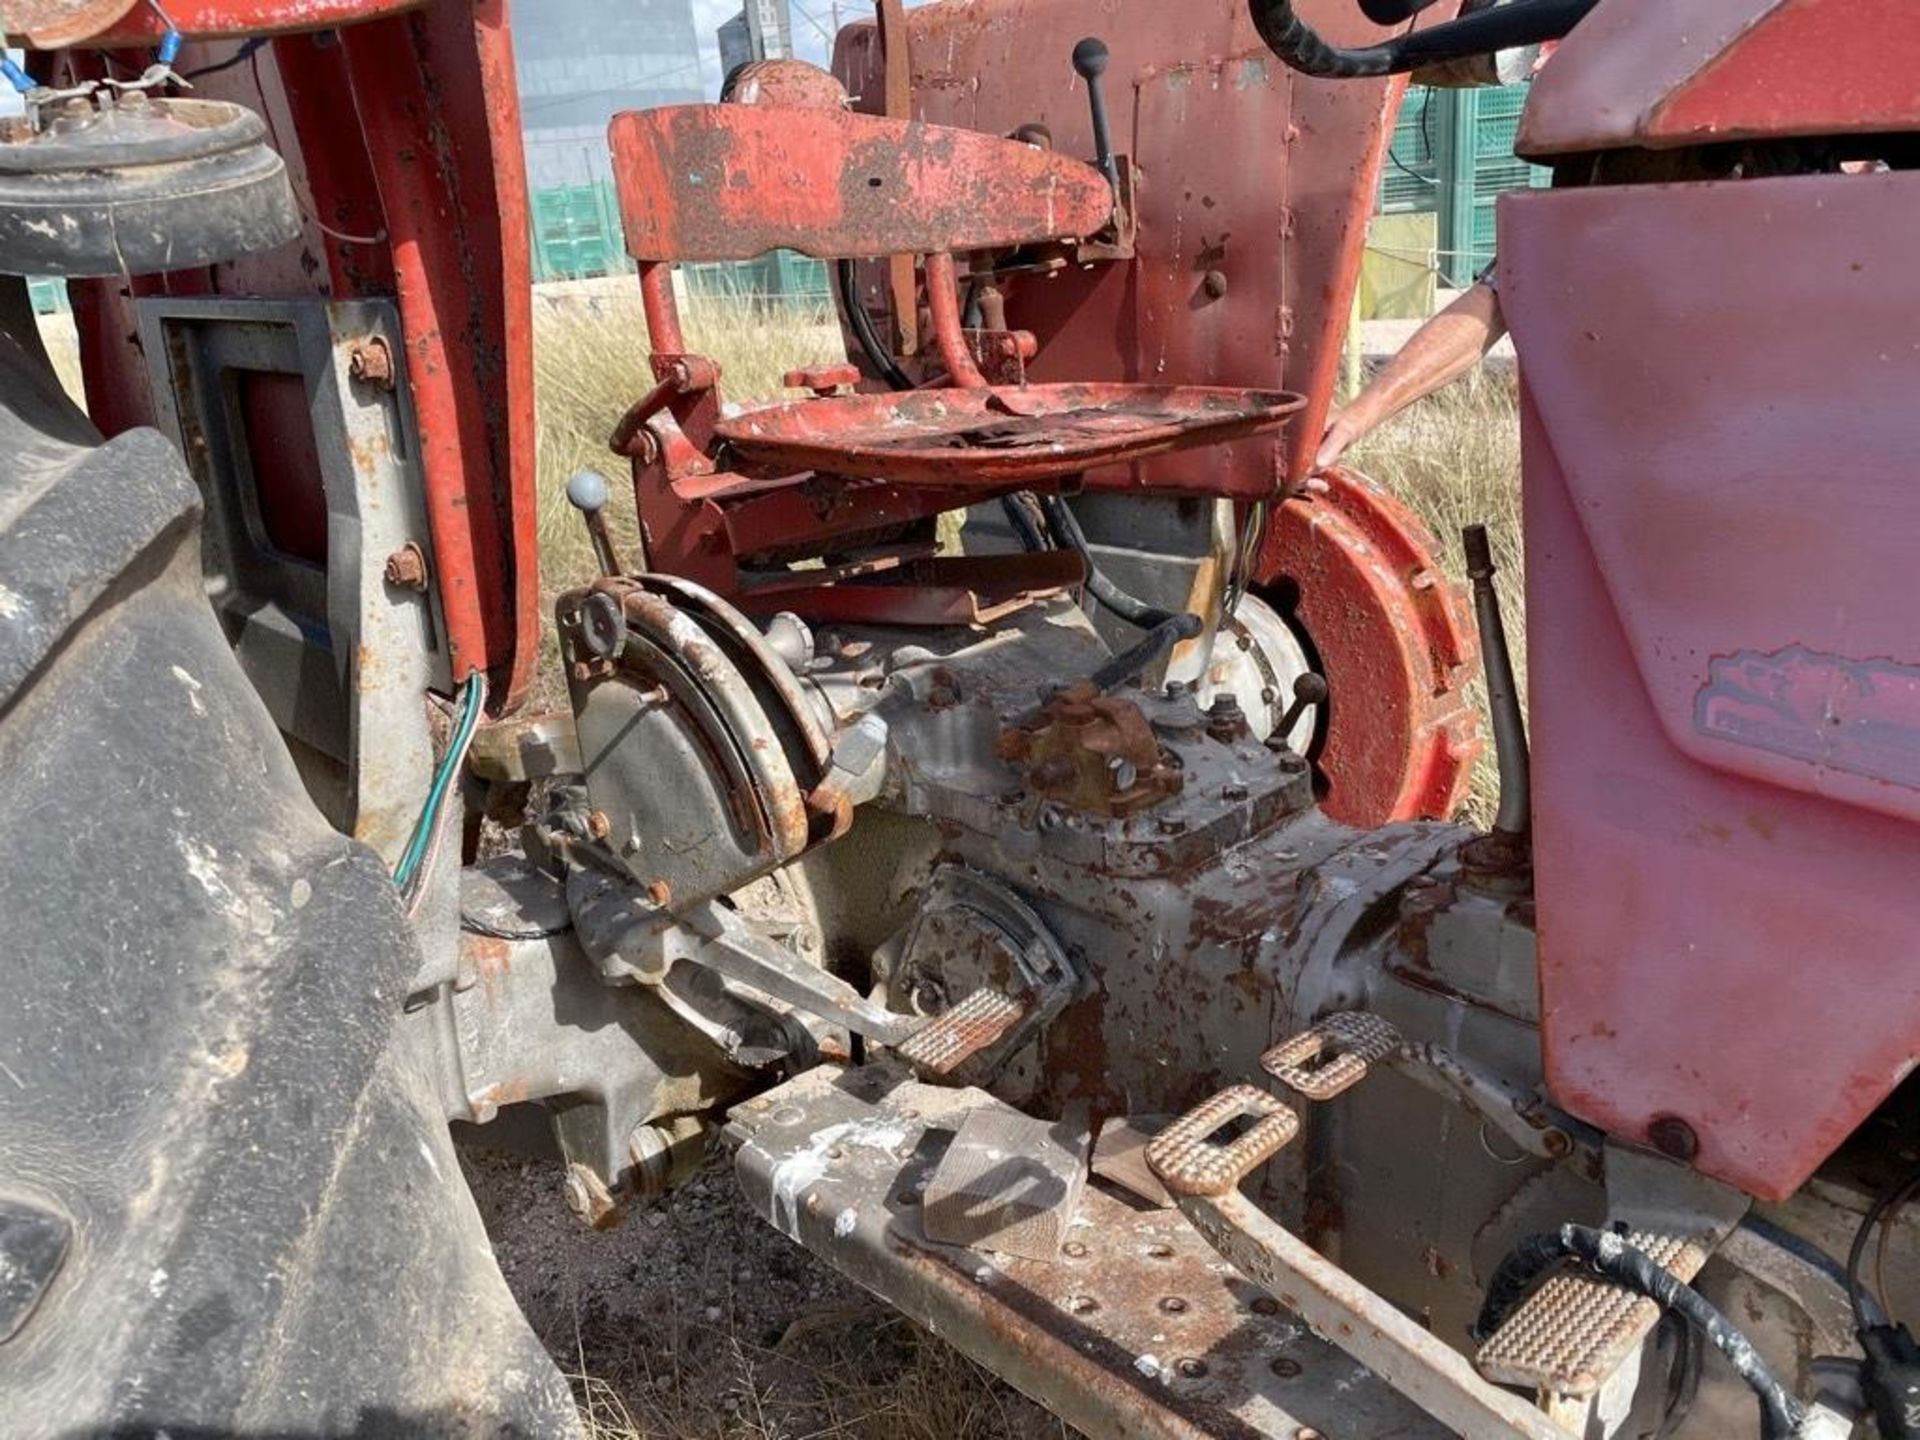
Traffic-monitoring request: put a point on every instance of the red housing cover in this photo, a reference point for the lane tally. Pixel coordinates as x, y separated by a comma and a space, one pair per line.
1722, 419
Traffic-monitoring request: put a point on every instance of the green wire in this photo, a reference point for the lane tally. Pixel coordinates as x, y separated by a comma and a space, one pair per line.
473, 702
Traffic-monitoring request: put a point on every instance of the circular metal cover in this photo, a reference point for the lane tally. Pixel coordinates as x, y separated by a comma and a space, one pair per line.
131, 185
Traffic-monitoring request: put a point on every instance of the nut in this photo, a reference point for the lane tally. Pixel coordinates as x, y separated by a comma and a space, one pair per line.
660, 892
598, 826
371, 363
407, 568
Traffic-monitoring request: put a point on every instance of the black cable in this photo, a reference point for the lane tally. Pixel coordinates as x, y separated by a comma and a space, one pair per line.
239, 57
1617, 1260
1803, 1250
1857, 1291
861, 324
474, 925
1025, 527
1504, 27
1130, 608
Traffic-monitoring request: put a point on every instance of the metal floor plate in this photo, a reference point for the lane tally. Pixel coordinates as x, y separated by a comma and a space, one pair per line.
1137, 1328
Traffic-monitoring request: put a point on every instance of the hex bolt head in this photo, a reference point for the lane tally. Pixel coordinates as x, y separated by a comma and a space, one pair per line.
1674, 1137
1214, 283
371, 363
406, 568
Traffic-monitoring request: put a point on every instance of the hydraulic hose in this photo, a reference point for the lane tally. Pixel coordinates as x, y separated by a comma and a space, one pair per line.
1617, 1260
1131, 661
861, 324
1504, 27
1130, 608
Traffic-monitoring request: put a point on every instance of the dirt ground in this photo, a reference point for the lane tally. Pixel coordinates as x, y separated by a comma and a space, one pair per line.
695, 1319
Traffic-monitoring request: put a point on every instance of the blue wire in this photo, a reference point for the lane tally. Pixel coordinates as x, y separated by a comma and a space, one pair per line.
410, 858
16, 76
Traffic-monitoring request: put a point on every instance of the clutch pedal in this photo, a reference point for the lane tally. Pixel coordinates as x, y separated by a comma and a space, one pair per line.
1333, 1056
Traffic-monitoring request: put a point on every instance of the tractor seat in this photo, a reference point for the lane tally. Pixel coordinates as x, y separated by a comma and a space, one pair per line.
732, 182
995, 436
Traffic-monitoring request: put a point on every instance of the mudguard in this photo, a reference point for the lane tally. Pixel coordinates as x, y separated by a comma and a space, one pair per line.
228, 1201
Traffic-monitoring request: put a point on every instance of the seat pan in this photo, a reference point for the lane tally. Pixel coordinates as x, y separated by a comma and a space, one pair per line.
998, 435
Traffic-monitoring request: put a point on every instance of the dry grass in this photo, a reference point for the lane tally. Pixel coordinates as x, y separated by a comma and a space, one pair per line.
1455, 458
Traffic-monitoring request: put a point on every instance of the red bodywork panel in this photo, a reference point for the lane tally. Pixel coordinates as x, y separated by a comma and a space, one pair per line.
403, 142
1722, 519
730, 182
1660, 74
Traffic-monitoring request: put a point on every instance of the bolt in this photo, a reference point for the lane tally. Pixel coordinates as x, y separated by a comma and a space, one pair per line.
1074, 1250
660, 893
1674, 1137
1173, 1305
1285, 1367
407, 568
598, 826
1233, 794
1123, 772
1190, 1368
1214, 282
1264, 1305
576, 1192
1160, 1252
371, 363
1082, 1304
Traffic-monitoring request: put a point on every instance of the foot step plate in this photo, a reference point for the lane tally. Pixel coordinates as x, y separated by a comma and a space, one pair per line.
955, 1036
1334, 1056
1573, 1332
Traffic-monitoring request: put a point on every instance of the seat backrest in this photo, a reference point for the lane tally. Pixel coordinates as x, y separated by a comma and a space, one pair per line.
730, 182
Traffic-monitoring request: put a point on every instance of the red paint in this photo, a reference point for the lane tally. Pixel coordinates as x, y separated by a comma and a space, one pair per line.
1721, 525
133, 22
730, 182
439, 114
1654, 74
1396, 645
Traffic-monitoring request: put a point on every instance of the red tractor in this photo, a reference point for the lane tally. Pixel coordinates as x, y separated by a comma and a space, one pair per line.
1065, 934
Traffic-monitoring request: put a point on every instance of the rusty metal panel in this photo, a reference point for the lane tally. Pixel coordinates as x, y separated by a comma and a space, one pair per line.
729, 182
1725, 673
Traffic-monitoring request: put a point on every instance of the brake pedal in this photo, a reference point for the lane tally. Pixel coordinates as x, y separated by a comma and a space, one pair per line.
1577, 1329
956, 1035
1333, 1056
1189, 1162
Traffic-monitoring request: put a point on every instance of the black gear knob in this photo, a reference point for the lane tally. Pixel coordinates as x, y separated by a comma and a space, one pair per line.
1090, 57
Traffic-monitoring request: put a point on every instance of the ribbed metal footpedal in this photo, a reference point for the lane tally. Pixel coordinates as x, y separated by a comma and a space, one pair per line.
1333, 1056
1576, 1330
1189, 1161
950, 1039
